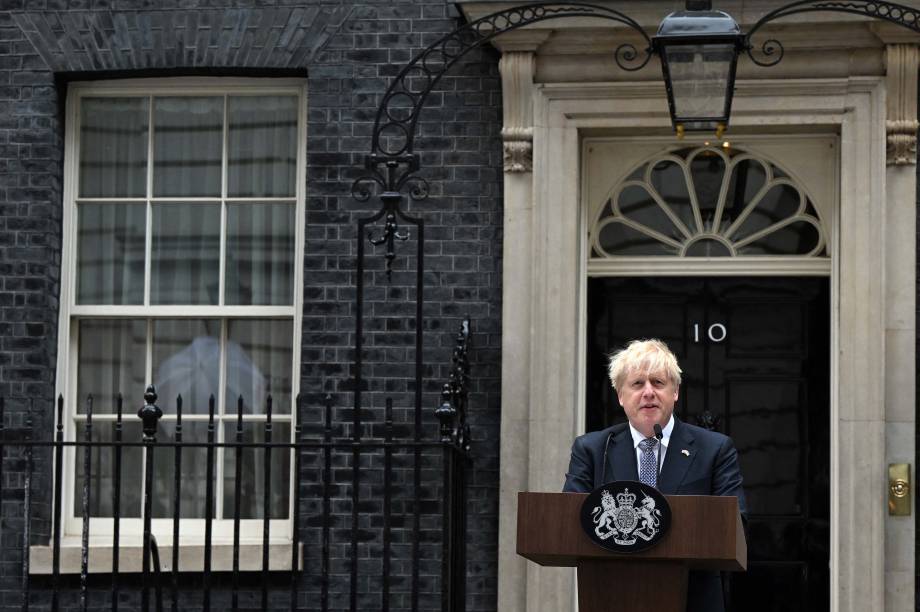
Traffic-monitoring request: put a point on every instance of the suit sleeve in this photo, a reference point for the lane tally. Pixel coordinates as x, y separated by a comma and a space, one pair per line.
580, 476
726, 477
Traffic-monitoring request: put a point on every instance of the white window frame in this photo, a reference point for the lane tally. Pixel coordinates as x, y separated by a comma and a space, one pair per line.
191, 530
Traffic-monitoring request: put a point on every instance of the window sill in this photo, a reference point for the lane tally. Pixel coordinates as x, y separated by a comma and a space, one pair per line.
191, 557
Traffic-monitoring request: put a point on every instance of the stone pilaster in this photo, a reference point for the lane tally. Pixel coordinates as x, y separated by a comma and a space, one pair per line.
900, 308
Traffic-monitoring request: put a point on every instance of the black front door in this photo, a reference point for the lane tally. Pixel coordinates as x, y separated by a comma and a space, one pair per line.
755, 358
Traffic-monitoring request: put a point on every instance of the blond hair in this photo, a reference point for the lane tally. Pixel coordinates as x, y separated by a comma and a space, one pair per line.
650, 355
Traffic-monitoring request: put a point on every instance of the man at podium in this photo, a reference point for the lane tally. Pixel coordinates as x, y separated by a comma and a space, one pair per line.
658, 449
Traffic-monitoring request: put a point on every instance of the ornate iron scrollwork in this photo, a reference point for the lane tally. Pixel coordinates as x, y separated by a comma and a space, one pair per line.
392, 163
391, 175
768, 49
629, 58
389, 236
772, 49
397, 115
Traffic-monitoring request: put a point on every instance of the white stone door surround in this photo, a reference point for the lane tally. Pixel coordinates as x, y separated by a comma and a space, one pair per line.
872, 245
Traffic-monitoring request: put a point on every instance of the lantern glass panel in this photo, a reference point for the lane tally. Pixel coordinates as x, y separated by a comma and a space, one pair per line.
700, 75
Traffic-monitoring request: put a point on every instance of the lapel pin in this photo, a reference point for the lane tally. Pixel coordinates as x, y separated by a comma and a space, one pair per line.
685, 452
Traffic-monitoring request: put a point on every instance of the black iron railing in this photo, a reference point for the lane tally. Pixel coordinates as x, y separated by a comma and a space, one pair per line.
328, 471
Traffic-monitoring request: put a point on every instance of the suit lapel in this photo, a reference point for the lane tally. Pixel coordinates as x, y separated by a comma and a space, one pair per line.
621, 460
676, 461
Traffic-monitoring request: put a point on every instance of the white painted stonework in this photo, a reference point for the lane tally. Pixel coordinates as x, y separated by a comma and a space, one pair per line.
833, 86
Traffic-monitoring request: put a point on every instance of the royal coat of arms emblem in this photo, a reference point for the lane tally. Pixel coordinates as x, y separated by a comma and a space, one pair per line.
625, 516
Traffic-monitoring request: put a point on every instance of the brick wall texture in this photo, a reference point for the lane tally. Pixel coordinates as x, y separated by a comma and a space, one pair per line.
349, 52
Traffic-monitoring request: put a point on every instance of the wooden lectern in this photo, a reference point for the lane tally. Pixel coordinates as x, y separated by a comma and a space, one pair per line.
706, 533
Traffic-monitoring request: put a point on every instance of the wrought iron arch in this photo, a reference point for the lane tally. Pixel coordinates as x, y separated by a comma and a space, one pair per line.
392, 163
897, 14
431, 64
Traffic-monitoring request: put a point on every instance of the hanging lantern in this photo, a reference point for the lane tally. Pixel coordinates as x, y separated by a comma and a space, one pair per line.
699, 53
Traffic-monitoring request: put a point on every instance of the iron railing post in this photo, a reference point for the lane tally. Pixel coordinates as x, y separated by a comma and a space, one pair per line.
116, 502
237, 501
295, 510
149, 414
266, 499
85, 505
208, 510
387, 501
327, 506
177, 503
27, 511
58, 503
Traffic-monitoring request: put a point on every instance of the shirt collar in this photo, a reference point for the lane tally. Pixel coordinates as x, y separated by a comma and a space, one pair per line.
666, 433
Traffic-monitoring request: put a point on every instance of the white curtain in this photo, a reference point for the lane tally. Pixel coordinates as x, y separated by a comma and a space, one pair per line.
113, 147
260, 254
185, 266
263, 146
110, 258
188, 134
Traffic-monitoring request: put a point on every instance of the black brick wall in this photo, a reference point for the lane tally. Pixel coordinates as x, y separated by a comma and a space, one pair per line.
349, 51
461, 157
31, 154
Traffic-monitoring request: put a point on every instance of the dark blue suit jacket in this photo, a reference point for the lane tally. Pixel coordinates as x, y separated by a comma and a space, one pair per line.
710, 467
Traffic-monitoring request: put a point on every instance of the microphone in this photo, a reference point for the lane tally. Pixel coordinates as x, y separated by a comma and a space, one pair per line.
604, 469
613, 432
659, 435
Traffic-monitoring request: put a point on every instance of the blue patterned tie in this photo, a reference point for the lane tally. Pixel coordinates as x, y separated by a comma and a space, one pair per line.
648, 467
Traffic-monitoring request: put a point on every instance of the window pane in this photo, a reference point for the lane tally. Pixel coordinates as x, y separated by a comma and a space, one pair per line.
111, 360
113, 147
260, 254
779, 203
193, 481
797, 238
185, 266
186, 362
252, 473
263, 146
187, 136
102, 471
667, 178
110, 255
637, 204
708, 171
258, 364
748, 177
708, 248
619, 239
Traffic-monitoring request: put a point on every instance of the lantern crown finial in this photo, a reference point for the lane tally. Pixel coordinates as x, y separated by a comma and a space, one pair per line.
698, 22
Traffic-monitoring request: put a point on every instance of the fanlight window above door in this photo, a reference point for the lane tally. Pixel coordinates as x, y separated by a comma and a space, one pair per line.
707, 202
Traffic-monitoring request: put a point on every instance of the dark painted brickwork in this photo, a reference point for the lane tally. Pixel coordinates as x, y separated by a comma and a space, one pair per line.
31, 153
350, 51
461, 157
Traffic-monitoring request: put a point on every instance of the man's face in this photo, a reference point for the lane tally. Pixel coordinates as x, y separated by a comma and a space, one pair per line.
647, 398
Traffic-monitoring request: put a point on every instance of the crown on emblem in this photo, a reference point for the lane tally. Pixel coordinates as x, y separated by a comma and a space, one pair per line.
626, 498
